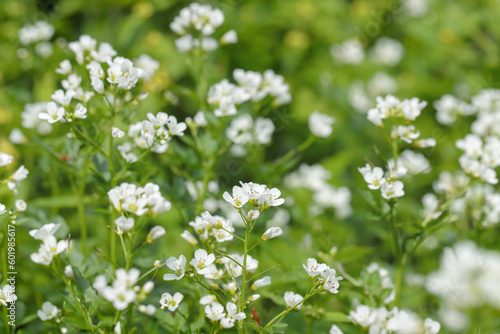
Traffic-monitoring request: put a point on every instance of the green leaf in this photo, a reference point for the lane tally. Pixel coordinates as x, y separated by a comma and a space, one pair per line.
253, 325
69, 301
75, 322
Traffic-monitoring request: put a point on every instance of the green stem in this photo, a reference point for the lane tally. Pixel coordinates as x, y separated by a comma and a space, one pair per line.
81, 205
80, 307
187, 321
293, 152
282, 314
399, 279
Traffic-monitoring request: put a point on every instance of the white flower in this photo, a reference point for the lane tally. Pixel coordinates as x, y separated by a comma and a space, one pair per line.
363, 316
472, 145
292, 300
155, 233
82, 47
36, 32
253, 215
229, 37
64, 67
148, 64
412, 108
186, 235
171, 302
232, 316
63, 98
178, 266
272, 232
373, 177
207, 299
387, 51
392, 189
80, 111
431, 326
349, 52
117, 133
20, 205
125, 224
254, 191
175, 128
45, 231
201, 260
123, 73
7, 295
5, 159
68, 271
238, 199
320, 124
147, 309
405, 133
48, 311
313, 268
264, 281
54, 113
335, 330
72, 82
104, 54
215, 311
2, 209
200, 119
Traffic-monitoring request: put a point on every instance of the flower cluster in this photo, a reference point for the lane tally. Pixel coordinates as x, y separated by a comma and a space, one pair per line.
315, 178
448, 107
391, 107
31, 120
124, 290
196, 24
139, 201
252, 86
466, 279
37, 34
480, 158
381, 320
244, 132
227, 317
324, 275
50, 246
154, 134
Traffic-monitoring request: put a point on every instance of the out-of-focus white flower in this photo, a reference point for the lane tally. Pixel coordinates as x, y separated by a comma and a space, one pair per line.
387, 51
293, 300
320, 124
20, 205
5, 159
229, 37
272, 232
48, 311
155, 233
7, 295
36, 32
348, 52
117, 133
